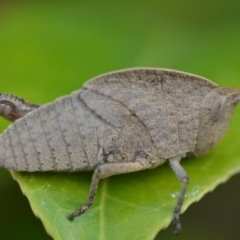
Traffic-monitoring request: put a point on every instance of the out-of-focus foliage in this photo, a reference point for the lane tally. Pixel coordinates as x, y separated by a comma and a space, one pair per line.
49, 49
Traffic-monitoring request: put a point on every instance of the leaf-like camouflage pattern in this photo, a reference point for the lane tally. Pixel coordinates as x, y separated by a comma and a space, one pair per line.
129, 206
166, 101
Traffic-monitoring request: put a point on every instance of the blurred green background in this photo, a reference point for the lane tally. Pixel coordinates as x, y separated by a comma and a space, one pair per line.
48, 49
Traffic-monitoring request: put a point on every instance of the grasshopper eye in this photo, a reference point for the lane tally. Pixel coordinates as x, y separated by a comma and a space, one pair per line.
218, 108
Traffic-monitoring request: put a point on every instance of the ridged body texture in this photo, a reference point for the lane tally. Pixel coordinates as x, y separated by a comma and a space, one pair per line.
67, 135
120, 122
167, 102
75, 132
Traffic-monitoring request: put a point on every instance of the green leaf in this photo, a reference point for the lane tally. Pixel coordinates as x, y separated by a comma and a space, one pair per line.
128, 206
60, 46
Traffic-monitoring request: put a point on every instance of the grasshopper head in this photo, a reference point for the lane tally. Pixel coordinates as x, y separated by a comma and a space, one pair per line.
214, 117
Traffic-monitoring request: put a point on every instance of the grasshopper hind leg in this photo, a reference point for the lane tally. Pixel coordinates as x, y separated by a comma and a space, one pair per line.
13, 107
